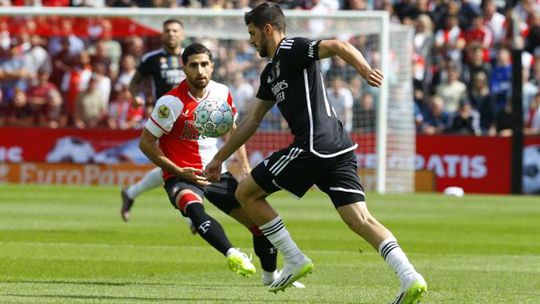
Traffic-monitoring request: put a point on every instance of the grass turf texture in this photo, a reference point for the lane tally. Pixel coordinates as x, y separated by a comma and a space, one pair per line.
63, 244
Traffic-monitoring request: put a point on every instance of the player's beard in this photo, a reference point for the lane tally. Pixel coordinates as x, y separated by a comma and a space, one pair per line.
263, 48
199, 84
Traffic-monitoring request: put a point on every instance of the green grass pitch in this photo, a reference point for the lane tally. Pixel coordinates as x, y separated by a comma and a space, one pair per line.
62, 244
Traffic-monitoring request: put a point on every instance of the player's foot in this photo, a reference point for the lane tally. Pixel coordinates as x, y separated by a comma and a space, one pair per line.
240, 263
291, 273
269, 277
412, 290
127, 203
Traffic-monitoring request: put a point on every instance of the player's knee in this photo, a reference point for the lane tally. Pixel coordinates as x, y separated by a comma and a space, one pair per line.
359, 221
186, 198
248, 193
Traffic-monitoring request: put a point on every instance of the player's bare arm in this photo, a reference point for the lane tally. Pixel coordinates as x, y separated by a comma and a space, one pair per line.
247, 127
241, 155
149, 147
352, 56
135, 85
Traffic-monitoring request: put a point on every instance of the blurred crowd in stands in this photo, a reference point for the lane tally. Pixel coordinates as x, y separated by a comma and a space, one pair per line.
462, 67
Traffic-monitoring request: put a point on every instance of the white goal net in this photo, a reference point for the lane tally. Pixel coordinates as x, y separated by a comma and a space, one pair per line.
380, 120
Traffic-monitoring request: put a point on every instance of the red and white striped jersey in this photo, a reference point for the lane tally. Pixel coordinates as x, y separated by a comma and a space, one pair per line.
172, 122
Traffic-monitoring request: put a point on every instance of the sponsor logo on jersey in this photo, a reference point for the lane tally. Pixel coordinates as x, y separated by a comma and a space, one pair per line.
311, 49
163, 63
163, 111
189, 132
278, 90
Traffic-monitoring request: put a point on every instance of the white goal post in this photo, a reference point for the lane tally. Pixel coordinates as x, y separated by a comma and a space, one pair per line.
390, 153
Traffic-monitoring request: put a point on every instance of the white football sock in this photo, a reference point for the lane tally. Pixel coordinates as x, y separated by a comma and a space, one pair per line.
278, 235
269, 277
151, 180
396, 258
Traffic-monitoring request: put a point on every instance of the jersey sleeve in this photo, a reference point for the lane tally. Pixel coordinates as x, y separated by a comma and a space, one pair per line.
299, 52
168, 108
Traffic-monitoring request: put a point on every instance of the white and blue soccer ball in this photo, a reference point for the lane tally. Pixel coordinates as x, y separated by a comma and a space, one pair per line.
213, 117
531, 169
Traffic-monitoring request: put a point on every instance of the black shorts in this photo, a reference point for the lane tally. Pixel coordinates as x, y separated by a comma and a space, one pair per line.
296, 171
220, 194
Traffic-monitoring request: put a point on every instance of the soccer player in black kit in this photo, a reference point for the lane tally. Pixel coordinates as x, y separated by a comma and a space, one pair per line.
321, 154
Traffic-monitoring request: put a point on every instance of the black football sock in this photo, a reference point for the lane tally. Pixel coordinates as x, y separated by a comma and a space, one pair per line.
208, 228
266, 252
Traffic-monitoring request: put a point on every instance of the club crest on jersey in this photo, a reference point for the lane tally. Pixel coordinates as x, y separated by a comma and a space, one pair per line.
163, 111
163, 63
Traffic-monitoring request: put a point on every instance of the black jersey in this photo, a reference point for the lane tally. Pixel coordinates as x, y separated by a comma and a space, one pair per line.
164, 68
293, 79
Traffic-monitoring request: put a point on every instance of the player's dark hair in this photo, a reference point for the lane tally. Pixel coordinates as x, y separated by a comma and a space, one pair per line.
196, 48
266, 13
169, 21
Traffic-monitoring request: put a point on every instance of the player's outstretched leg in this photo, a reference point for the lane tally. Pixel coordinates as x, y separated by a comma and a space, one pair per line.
297, 265
240, 263
151, 180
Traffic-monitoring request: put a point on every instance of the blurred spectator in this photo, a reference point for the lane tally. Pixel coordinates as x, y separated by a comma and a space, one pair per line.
532, 117
436, 117
36, 57
46, 101
91, 109
318, 26
480, 36
57, 43
341, 100
13, 74
450, 41
532, 44
127, 70
98, 55
423, 36
494, 21
501, 78
61, 62
465, 120
74, 82
356, 5
125, 112
452, 90
242, 93
504, 121
528, 90
5, 37
482, 100
406, 9
477, 62
103, 82
20, 112
366, 119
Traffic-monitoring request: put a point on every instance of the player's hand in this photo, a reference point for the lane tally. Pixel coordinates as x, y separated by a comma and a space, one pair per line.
193, 175
213, 170
375, 78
